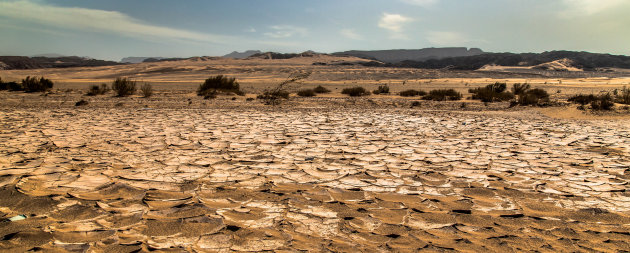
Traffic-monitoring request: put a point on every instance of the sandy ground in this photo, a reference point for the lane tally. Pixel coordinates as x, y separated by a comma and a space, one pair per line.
178, 173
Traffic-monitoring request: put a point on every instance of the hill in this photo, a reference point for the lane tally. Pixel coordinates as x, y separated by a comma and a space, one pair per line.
138, 59
23, 62
399, 55
243, 55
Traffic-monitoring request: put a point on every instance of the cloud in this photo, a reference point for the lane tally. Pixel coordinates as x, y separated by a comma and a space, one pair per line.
588, 7
286, 31
350, 34
251, 30
443, 38
422, 3
394, 23
93, 20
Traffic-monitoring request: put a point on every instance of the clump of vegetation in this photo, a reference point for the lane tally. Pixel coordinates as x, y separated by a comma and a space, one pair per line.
34, 84
306, 93
382, 89
98, 90
412, 93
355, 91
147, 90
81, 103
124, 86
321, 89
533, 97
603, 103
11, 86
582, 99
275, 95
492, 93
211, 86
443, 95
624, 96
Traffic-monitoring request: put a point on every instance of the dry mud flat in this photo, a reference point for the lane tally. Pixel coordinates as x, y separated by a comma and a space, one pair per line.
119, 180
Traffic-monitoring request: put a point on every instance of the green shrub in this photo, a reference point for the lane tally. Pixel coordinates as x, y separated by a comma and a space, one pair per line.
147, 90
383, 89
306, 93
355, 91
443, 95
603, 103
412, 93
97, 90
33, 84
124, 87
492, 93
582, 99
218, 83
321, 89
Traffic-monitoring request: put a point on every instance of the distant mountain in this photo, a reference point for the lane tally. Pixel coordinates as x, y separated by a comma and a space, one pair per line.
138, 59
274, 55
243, 55
24, 62
49, 55
581, 60
399, 55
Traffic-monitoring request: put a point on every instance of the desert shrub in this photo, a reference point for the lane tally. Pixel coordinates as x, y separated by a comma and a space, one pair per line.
97, 90
412, 93
603, 103
382, 89
34, 84
81, 103
443, 95
582, 99
306, 93
219, 83
533, 97
147, 90
355, 91
124, 87
14, 86
321, 89
274, 95
624, 96
520, 89
492, 93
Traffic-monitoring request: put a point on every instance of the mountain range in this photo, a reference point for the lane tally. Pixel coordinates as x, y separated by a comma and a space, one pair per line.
399, 55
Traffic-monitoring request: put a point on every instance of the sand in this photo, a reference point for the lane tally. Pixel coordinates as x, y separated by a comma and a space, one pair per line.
178, 173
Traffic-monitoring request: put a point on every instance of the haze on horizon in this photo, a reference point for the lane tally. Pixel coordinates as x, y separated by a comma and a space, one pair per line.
118, 28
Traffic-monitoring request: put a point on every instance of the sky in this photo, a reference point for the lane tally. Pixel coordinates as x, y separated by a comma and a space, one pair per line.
114, 29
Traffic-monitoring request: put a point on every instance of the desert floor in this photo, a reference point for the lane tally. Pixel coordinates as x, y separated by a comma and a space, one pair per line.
175, 172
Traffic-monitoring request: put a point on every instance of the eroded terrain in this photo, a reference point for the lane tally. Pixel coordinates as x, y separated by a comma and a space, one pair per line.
124, 179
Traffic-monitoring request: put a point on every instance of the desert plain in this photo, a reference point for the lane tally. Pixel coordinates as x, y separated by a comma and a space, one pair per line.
178, 173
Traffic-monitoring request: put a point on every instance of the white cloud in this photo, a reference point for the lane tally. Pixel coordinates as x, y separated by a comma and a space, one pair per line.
442, 38
394, 23
423, 3
286, 31
350, 34
93, 20
588, 7
251, 30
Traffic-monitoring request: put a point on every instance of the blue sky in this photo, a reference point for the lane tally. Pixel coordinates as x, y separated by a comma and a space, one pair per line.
114, 29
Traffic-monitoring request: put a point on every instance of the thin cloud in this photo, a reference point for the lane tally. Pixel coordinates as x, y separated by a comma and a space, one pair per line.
394, 23
589, 7
350, 34
286, 31
422, 3
93, 20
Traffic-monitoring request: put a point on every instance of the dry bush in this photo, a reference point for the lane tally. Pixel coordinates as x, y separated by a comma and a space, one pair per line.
412, 93
124, 87
34, 84
443, 95
321, 89
494, 92
355, 91
275, 95
582, 99
624, 96
306, 93
383, 89
603, 103
147, 90
211, 86
537, 97
98, 90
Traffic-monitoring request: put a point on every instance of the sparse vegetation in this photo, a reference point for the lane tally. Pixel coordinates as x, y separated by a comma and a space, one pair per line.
81, 103
603, 103
34, 84
124, 87
443, 95
383, 89
321, 89
306, 93
623, 97
98, 90
582, 99
536, 96
147, 90
275, 95
355, 91
213, 85
412, 93
492, 93
11, 86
